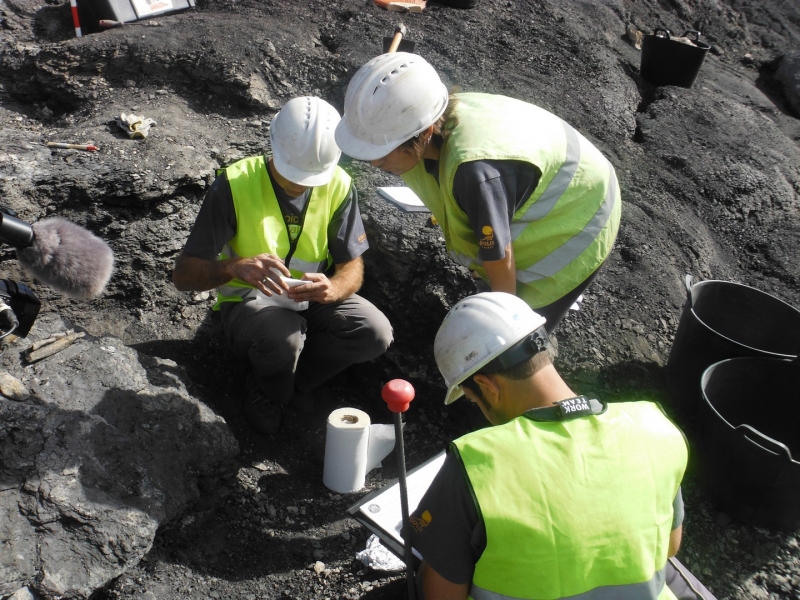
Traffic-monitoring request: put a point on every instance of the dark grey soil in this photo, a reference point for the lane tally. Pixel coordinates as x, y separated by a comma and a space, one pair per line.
710, 178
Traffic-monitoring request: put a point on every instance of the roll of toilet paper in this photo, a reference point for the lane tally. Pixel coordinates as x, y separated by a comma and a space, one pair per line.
353, 447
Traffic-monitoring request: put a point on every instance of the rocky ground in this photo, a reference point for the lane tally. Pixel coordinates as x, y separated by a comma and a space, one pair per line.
709, 175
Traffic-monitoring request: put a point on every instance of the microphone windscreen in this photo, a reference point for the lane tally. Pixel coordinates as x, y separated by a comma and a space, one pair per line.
68, 258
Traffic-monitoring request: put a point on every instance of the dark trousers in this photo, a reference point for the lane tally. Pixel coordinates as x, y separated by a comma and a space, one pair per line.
555, 312
298, 350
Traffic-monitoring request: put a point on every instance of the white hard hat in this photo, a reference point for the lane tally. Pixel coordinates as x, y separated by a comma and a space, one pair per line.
479, 329
389, 100
303, 146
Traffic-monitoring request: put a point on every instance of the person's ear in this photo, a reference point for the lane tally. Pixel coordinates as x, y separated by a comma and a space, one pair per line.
489, 388
427, 134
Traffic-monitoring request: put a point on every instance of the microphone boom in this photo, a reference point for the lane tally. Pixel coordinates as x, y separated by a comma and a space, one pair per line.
68, 258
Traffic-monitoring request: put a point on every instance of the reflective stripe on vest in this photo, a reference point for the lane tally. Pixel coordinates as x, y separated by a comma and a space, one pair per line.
464, 260
634, 591
574, 247
577, 245
260, 226
557, 186
576, 509
565, 230
295, 265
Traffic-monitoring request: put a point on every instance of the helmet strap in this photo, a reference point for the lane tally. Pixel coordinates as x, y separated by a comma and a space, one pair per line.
523, 350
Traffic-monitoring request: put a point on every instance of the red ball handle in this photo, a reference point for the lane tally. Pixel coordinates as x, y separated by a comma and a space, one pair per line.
398, 394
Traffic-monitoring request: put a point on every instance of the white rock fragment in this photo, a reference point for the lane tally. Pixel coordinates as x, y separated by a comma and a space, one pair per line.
13, 388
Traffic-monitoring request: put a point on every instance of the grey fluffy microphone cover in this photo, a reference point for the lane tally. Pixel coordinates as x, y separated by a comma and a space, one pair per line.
68, 258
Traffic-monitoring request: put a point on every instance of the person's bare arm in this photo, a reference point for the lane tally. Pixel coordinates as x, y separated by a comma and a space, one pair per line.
502, 273
199, 274
675, 540
436, 587
345, 282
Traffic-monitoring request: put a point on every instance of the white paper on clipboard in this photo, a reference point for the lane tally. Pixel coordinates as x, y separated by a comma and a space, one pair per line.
382, 510
404, 198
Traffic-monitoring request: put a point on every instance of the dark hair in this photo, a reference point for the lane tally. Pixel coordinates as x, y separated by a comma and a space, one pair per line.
523, 370
470, 384
527, 368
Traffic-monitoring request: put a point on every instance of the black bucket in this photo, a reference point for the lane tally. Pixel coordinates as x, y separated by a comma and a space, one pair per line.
723, 320
748, 449
669, 62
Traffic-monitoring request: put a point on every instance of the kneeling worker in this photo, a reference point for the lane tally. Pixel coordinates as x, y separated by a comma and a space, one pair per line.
292, 215
565, 496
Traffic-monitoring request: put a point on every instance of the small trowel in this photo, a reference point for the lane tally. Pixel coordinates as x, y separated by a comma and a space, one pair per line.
397, 43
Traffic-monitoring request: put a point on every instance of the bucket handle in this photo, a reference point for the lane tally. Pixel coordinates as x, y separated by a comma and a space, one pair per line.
689, 282
696, 34
662, 32
778, 447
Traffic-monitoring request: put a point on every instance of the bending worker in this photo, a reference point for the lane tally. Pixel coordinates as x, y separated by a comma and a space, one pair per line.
565, 496
524, 200
293, 215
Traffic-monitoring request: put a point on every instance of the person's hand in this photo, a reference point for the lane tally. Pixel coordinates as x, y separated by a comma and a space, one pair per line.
263, 272
318, 289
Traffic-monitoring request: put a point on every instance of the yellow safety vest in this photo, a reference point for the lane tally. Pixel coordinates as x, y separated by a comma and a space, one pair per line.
565, 230
260, 226
576, 506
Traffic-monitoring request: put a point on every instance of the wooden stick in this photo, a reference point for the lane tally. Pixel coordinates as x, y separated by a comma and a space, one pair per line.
50, 349
399, 32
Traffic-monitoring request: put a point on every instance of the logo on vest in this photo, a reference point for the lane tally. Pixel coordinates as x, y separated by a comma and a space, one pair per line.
487, 241
291, 219
422, 522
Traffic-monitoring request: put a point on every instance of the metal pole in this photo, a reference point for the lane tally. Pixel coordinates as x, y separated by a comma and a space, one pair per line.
398, 394
408, 555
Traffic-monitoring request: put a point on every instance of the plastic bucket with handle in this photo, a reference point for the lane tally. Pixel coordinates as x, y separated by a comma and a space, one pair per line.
748, 443
667, 61
722, 320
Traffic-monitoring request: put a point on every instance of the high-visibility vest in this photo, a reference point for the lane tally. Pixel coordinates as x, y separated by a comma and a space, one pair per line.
565, 230
576, 509
261, 229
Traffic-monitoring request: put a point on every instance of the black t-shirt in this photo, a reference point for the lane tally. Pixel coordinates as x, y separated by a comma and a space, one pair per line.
452, 536
490, 192
216, 222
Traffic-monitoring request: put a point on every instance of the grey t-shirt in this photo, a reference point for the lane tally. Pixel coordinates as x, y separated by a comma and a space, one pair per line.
216, 222
490, 192
453, 537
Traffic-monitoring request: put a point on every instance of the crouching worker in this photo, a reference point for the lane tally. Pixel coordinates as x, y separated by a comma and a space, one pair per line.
265, 222
564, 496
525, 202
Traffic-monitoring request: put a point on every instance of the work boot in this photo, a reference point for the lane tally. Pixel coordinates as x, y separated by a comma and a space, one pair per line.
262, 414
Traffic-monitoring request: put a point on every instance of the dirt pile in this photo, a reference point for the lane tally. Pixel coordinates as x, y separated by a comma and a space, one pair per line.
709, 176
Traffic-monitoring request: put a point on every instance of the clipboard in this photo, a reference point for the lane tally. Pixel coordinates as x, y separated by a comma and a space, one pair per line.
404, 198
380, 511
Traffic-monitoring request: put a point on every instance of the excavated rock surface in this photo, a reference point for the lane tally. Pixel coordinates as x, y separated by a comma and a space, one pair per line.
709, 176
108, 446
